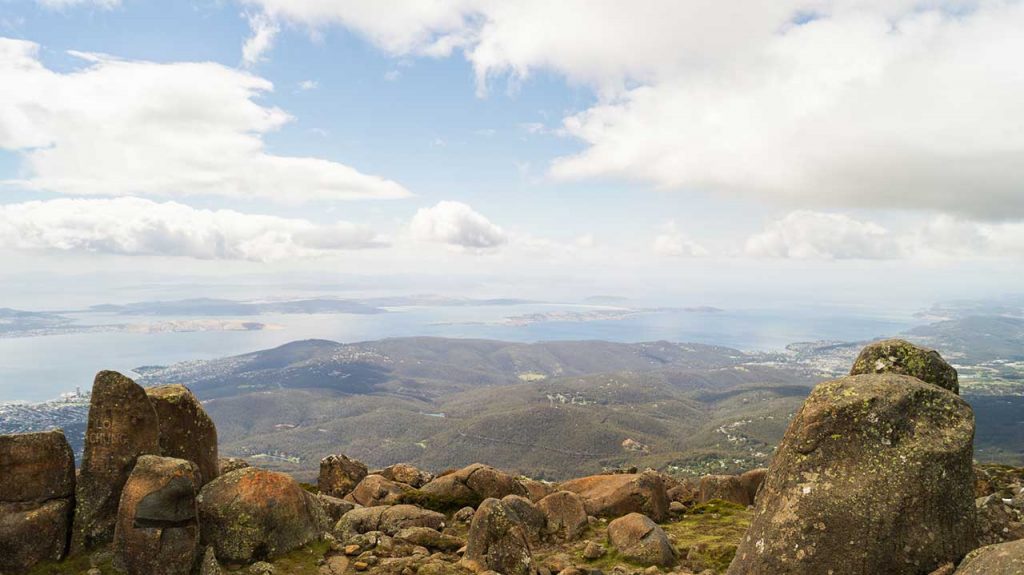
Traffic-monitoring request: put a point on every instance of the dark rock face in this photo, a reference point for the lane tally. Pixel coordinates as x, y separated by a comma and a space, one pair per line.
186, 431
122, 426
565, 513
1001, 559
872, 476
157, 532
641, 540
619, 494
497, 541
253, 514
339, 475
905, 358
725, 487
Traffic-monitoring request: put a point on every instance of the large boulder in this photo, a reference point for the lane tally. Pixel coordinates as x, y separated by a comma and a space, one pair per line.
873, 475
640, 540
122, 426
252, 514
498, 541
725, 487
471, 485
752, 481
186, 431
37, 487
533, 518
905, 358
339, 475
1002, 559
36, 467
33, 532
565, 513
618, 494
157, 532
386, 519
375, 490
407, 474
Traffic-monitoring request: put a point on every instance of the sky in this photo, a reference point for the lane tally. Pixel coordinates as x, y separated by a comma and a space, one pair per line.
697, 152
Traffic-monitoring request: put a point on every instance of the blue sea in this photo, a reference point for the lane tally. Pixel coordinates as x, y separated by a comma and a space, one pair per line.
41, 368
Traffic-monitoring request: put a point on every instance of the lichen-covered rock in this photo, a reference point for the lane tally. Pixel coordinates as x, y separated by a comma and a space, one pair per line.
429, 538
905, 358
565, 513
386, 519
375, 490
622, 493
1002, 559
186, 431
533, 518
536, 490
157, 532
339, 475
725, 487
407, 474
335, 508
253, 514
873, 475
36, 467
229, 464
497, 541
208, 565
641, 540
472, 484
37, 485
122, 426
33, 532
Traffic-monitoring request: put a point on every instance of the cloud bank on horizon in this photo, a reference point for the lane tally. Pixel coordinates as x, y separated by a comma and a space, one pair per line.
858, 129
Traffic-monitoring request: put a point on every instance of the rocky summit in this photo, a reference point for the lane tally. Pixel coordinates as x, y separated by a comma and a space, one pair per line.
873, 476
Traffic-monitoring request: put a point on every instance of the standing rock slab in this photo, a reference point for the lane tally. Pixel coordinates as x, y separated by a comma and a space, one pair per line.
122, 426
641, 540
37, 487
873, 475
186, 431
252, 514
339, 475
497, 541
621, 493
1001, 559
905, 358
157, 532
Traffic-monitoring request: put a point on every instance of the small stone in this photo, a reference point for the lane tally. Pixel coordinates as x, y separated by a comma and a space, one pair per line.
361, 565
351, 549
261, 568
593, 550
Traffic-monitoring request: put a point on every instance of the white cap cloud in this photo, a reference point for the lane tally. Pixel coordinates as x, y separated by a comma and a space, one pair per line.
905, 103
122, 127
136, 226
456, 224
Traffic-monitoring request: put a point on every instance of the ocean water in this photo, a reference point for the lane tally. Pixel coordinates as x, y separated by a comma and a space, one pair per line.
41, 368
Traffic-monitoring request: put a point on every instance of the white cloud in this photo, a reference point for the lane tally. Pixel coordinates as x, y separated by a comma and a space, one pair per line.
456, 224
264, 30
121, 127
307, 85
862, 103
135, 226
673, 243
815, 235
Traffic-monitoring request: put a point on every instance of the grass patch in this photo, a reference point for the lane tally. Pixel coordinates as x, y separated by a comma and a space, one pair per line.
74, 565
707, 536
302, 561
